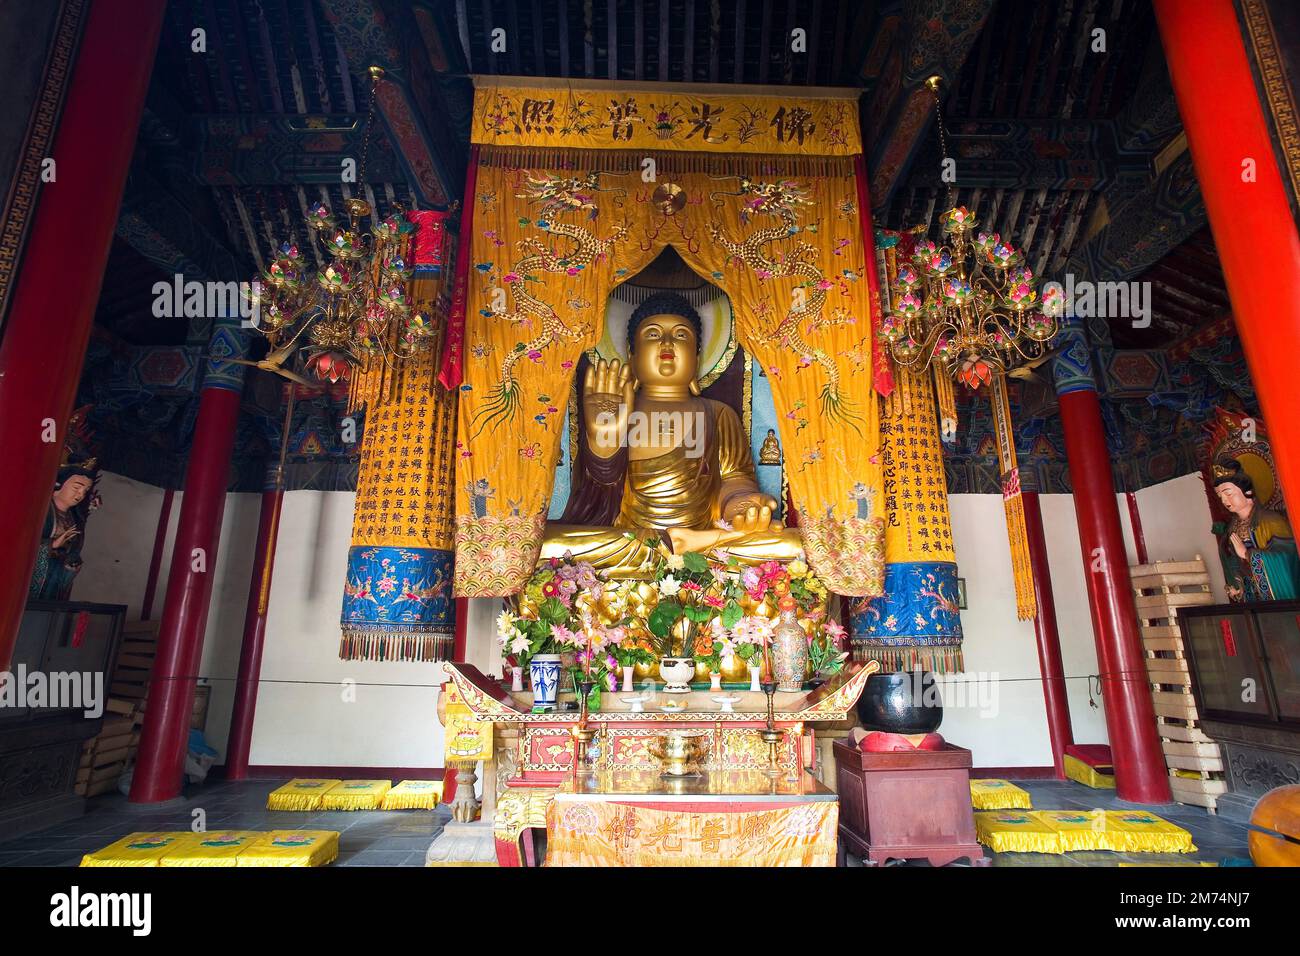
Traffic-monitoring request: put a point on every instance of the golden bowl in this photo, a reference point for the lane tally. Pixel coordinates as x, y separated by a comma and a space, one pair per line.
679, 752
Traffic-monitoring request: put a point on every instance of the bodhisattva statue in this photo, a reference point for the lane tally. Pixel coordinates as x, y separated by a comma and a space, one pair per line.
662, 462
58, 559
1258, 547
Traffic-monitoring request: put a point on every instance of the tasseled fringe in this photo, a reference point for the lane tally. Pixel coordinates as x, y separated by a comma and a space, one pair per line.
937, 660
1017, 537
947, 403
698, 297
379, 379
667, 162
387, 646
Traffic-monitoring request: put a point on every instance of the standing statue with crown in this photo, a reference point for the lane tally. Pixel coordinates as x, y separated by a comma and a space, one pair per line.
1257, 546
58, 558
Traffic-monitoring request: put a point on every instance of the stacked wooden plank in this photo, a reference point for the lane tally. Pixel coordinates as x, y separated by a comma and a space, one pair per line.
1196, 768
107, 755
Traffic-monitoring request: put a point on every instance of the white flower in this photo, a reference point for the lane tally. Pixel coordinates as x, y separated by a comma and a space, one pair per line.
669, 586
506, 626
676, 562
520, 643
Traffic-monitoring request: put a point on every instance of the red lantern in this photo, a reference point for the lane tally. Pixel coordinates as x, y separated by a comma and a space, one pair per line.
974, 373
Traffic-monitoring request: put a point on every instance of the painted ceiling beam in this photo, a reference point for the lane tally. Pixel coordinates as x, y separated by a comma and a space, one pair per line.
385, 33
286, 148
934, 38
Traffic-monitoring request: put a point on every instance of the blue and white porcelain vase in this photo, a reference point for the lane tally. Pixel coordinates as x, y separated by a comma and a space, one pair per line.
544, 671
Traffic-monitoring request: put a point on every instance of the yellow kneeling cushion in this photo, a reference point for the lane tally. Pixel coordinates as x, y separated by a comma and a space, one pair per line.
292, 848
356, 795
219, 848
1069, 831
302, 793
413, 795
1081, 772
998, 795
135, 849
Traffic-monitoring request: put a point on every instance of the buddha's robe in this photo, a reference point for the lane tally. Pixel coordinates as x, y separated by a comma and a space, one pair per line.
677, 489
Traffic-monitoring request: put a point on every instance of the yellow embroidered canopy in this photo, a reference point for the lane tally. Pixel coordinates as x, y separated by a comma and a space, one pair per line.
557, 224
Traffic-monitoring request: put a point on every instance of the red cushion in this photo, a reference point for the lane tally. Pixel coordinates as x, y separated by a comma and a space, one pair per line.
1094, 755
879, 741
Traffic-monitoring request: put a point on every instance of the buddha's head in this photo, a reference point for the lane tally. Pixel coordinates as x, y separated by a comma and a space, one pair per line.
663, 341
1235, 489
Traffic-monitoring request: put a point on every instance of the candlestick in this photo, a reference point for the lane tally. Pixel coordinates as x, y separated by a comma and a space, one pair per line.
770, 735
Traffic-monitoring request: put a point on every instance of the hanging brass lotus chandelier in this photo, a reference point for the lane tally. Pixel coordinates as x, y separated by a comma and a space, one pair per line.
971, 305
355, 307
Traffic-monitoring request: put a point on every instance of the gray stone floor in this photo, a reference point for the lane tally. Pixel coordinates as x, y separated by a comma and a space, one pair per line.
366, 837
401, 837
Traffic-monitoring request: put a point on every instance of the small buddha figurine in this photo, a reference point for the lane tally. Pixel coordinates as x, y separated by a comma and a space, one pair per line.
770, 451
1258, 547
662, 462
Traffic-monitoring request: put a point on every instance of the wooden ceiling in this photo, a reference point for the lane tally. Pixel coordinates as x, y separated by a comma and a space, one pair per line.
694, 41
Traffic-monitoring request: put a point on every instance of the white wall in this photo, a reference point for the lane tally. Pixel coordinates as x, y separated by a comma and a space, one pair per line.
1176, 523
304, 720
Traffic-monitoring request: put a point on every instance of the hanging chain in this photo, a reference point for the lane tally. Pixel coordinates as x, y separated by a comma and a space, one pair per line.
376, 74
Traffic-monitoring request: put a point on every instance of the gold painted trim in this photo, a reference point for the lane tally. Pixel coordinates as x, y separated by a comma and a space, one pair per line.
739, 90
20, 203
1276, 90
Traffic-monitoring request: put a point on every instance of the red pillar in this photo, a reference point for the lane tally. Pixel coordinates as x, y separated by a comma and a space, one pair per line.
1049, 640
1140, 773
239, 742
1251, 219
161, 759
53, 305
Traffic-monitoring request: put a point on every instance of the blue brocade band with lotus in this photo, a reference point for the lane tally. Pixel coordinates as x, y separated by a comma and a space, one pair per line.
397, 604
915, 624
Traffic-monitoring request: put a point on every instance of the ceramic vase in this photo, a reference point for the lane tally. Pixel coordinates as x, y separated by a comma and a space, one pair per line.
677, 672
627, 679
516, 678
544, 671
754, 672
789, 652
715, 681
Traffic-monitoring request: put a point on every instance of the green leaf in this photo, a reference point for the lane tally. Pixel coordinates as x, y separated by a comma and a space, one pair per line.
663, 617
699, 614
731, 615
694, 561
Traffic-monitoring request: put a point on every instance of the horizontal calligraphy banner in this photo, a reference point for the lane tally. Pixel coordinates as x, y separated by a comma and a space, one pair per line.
665, 120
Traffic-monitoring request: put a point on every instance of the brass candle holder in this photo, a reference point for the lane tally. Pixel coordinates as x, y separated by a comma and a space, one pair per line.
582, 734
770, 735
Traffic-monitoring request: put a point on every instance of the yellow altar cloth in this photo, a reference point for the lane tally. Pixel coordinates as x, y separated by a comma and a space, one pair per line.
727, 818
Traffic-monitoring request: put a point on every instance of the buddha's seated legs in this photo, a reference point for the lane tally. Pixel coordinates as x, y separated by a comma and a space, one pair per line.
630, 552
611, 550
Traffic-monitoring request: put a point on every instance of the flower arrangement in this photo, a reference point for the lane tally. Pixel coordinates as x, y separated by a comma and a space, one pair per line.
548, 614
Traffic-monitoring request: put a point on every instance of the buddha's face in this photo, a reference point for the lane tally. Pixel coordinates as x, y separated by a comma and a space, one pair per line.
1233, 498
665, 351
72, 492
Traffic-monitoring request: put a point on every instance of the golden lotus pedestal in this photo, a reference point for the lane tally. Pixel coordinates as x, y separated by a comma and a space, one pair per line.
534, 755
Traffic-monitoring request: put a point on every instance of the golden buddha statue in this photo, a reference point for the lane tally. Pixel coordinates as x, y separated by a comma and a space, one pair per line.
679, 464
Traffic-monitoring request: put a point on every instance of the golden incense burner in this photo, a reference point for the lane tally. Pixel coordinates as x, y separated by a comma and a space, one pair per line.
679, 752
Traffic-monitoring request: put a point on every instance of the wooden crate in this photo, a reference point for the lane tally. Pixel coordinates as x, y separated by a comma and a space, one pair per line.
1159, 590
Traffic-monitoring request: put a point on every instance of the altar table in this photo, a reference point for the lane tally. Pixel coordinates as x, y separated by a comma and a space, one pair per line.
717, 818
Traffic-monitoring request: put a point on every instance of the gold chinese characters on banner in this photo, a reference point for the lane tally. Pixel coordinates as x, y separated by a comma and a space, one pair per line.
598, 116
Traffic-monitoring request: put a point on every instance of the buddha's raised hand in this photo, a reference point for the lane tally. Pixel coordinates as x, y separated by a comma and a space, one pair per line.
607, 395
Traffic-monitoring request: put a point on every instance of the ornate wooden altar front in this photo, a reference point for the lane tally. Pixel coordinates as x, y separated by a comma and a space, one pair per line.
533, 754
